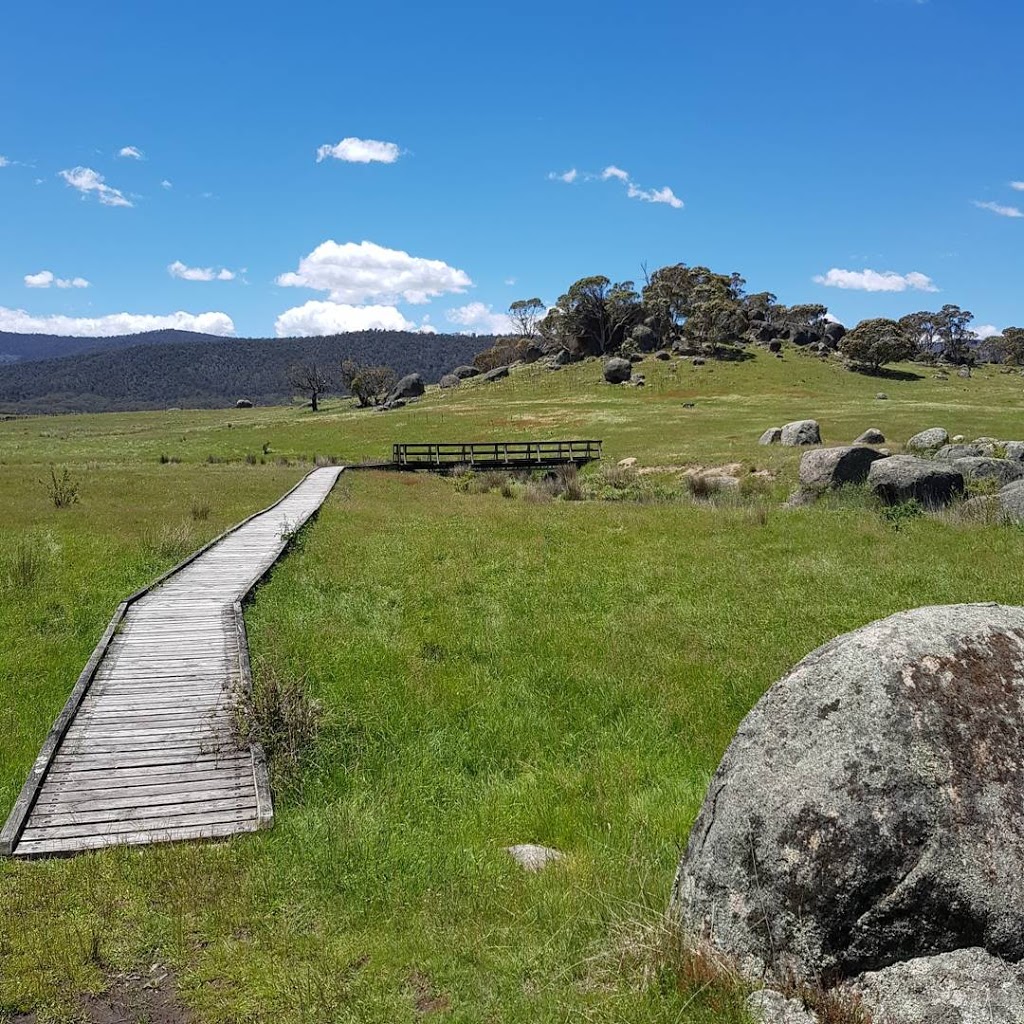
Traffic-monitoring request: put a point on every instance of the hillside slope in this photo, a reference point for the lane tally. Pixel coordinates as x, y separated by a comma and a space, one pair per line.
208, 374
17, 348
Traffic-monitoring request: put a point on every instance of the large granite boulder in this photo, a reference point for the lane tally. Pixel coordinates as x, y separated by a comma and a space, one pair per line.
868, 810
1011, 502
834, 467
449, 380
773, 435
965, 986
801, 432
410, 386
905, 477
1003, 471
464, 372
617, 370
498, 373
928, 440
1015, 450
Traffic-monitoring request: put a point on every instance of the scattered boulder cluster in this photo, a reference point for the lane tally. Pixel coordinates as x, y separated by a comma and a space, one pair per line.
863, 836
934, 472
620, 371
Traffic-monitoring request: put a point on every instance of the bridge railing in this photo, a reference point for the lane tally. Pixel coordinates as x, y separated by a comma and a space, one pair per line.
511, 454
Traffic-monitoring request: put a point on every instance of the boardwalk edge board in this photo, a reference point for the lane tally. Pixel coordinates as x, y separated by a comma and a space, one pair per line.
25, 802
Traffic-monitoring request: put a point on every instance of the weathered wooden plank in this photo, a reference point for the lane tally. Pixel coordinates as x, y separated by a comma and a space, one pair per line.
147, 748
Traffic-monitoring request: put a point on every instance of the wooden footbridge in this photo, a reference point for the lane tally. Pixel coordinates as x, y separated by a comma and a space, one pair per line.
514, 455
147, 747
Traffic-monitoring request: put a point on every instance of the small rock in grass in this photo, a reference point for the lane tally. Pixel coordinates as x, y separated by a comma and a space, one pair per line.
881, 397
629, 463
689, 405
617, 371
531, 857
871, 436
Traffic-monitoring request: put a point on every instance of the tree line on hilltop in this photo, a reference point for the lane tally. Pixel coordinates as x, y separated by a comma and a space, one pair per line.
694, 310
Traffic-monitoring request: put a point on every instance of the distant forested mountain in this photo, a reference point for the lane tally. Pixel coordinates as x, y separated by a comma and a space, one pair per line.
208, 373
15, 348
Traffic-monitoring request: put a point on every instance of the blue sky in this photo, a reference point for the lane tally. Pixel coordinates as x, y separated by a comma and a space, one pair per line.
155, 146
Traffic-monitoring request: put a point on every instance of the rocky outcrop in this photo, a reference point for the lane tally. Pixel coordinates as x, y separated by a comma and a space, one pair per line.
801, 432
867, 811
617, 371
906, 477
826, 468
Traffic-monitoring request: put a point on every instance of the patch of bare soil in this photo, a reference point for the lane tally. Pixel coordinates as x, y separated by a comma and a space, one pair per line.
424, 997
135, 998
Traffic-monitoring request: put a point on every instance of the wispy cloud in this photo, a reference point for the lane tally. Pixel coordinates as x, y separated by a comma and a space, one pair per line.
874, 281
360, 151
1017, 186
185, 273
86, 180
46, 278
20, 322
568, 176
4, 162
131, 152
612, 172
998, 208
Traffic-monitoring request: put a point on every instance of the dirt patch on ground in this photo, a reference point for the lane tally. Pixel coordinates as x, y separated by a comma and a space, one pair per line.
135, 998
424, 997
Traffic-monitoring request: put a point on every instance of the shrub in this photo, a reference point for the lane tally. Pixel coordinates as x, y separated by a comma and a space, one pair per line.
62, 488
897, 516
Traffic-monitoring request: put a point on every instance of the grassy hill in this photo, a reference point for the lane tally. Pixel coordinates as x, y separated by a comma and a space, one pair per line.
489, 670
209, 373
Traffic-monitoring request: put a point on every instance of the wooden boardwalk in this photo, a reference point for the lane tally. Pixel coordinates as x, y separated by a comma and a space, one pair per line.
146, 749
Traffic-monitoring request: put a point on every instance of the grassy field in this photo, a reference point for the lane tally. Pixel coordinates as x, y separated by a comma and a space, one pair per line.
488, 670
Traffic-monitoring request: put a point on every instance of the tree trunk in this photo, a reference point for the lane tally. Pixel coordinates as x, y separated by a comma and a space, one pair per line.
314, 402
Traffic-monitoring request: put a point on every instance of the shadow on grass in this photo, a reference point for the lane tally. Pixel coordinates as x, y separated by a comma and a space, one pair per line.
886, 373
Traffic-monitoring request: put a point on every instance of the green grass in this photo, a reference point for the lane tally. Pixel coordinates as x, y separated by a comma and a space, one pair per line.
490, 671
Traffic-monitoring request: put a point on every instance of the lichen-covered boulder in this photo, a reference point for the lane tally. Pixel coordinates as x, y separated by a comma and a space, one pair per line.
449, 380
928, 440
868, 810
1015, 450
617, 370
833, 467
905, 477
1011, 502
766, 1006
773, 435
1003, 471
965, 986
958, 450
801, 432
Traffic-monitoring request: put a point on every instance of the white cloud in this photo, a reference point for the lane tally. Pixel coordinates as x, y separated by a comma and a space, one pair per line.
360, 151
663, 195
355, 272
4, 162
478, 318
20, 322
1017, 186
184, 273
510, 281
45, 278
568, 176
655, 195
132, 152
1002, 211
611, 171
315, 318
166, 184
86, 180
983, 331
873, 281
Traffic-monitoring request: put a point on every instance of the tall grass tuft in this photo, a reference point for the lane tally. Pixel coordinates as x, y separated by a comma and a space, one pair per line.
62, 488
